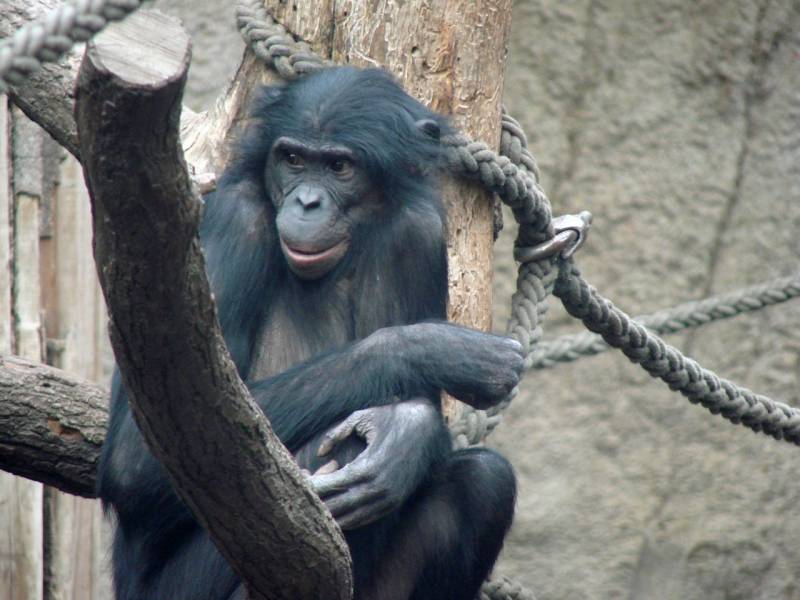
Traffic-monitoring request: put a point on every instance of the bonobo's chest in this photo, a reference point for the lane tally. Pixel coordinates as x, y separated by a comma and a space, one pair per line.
297, 328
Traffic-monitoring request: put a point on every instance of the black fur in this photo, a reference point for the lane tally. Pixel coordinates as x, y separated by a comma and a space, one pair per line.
318, 358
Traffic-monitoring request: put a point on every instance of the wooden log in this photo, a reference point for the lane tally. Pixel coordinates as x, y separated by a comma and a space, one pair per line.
52, 425
187, 395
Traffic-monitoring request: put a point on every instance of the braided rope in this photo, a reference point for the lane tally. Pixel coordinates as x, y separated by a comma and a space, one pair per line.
502, 588
682, 374
48, 38
273, 44
568, 348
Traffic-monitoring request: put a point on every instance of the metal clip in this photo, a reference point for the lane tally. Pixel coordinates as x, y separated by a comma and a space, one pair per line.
569, 234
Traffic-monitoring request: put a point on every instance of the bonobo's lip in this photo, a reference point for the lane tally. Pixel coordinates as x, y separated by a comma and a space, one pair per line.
311, 265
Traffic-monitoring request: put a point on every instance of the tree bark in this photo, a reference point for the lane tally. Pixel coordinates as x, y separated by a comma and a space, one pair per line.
195, 413
52, 425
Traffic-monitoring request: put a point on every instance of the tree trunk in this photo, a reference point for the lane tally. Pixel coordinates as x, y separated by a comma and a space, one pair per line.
449, 54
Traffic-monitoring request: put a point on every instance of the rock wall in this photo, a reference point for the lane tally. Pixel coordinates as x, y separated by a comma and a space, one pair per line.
677, 124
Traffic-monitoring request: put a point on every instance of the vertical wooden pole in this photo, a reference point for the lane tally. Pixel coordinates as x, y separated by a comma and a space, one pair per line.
8, 496
22, 532
449, 54
76, 556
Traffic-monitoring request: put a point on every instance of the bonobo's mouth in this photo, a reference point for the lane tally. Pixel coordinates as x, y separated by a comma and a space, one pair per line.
312, 263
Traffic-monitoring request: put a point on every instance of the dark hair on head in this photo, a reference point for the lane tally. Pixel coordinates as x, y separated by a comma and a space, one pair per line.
394, 136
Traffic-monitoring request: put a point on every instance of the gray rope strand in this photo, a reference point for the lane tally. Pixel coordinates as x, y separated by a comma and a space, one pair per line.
682, 374
272, 44
535, 281
504, 588
48, 38
568, 348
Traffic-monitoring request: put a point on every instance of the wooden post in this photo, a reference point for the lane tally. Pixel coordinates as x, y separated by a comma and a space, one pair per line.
450, 55
21, 533
8, 497
75, 564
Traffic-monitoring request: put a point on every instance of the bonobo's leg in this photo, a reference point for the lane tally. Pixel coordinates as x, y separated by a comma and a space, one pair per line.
448, 537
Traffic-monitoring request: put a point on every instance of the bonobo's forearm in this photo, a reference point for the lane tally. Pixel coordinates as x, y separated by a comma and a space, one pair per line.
371, 372
394, 362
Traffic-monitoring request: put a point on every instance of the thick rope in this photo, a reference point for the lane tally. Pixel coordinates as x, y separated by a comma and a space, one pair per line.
272, 44
568, 348
682, 374
49, 37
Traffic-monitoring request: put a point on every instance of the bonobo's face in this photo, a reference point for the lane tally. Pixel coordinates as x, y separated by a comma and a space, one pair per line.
320, 193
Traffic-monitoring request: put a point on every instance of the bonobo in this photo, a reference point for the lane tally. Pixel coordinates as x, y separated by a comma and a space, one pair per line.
325, 247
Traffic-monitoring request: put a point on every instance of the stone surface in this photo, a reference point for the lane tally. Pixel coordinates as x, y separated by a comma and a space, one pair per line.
678, 125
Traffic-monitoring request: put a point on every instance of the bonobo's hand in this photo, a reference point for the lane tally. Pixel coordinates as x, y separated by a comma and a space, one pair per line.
477, 368
402, 439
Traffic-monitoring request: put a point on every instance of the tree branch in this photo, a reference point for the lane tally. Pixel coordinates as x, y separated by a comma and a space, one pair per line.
194, 411
48, 98
52, 425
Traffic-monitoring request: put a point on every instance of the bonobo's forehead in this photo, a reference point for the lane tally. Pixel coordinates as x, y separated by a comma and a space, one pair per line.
313, 148
341, 101
364, 110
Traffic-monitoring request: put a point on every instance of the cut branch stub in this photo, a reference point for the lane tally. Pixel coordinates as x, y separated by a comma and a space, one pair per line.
194, 411
52, 425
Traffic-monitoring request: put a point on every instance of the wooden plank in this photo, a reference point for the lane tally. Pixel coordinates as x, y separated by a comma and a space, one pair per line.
7, 484
6, 328
23, 511
78, 556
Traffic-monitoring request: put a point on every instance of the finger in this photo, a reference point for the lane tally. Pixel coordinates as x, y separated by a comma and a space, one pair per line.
353, 499
338, 434
364, 515
328, 467
338, 481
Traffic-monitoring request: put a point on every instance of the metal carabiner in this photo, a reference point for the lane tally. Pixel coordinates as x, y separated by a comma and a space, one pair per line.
569, 234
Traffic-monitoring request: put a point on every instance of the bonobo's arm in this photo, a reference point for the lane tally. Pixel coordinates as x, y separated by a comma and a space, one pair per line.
396, 362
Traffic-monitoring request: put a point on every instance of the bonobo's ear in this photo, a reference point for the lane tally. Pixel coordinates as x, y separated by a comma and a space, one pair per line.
430, 128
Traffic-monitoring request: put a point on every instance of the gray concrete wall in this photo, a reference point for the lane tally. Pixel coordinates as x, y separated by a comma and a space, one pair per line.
677, 123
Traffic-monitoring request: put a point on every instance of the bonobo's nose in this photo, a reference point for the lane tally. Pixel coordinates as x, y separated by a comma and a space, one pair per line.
310, 197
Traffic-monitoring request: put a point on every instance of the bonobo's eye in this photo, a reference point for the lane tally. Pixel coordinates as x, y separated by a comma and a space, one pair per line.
341, 166
292, 159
